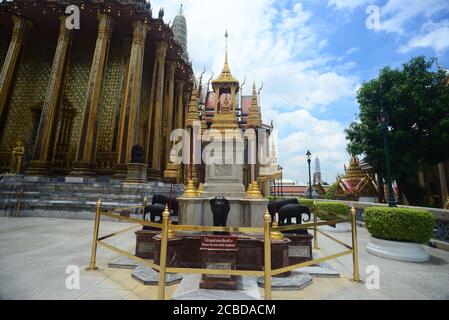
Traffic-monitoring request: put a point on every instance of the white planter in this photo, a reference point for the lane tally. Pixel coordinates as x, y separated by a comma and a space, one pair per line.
339, 228
396, 250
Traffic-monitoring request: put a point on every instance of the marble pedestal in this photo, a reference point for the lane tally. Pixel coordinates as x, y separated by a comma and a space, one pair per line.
136, 173
244, 212
145, 244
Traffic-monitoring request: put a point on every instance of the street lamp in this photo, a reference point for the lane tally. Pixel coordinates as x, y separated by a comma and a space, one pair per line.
282, 178
383, 120
309, 160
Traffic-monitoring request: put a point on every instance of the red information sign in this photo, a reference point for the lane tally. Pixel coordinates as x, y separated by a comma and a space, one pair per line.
218, 243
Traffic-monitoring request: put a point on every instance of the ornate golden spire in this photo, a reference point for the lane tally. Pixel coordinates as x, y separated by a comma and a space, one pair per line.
226, 75
192, 114
254, 117
354, 172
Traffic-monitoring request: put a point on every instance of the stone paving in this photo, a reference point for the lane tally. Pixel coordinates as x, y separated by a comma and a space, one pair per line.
35, 253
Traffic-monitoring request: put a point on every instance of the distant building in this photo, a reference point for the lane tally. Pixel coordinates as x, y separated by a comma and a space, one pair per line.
291, 188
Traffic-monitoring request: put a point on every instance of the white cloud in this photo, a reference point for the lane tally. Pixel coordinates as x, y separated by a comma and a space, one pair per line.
400, 17
397, 15
324, 138
273, 42
348, 4
436, 36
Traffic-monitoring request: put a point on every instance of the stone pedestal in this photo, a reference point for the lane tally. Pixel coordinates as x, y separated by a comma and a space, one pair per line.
224, 180
145, 244
219, 252
224, 173
279, 255
243, 213
174, 247
136, 173
300, 247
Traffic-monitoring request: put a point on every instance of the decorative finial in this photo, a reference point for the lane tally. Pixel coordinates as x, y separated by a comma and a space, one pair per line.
180, 9
226, 50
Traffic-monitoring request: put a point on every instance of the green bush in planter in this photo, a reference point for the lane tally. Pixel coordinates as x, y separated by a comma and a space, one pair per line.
330, 210
400, 224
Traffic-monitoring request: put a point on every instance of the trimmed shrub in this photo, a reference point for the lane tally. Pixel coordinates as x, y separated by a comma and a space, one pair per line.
330, 210
400, 224
307, 202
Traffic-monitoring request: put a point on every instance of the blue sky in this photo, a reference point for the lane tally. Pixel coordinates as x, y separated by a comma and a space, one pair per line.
311, 55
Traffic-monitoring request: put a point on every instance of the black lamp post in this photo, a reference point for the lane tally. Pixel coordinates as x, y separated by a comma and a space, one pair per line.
309, 160
282, 178
383, 120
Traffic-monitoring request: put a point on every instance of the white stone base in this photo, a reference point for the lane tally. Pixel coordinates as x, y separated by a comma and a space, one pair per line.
396, 250
339, 228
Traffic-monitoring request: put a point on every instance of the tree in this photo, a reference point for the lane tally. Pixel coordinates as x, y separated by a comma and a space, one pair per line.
330, 194
417, 102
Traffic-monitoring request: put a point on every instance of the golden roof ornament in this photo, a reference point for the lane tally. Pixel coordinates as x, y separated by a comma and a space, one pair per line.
192, 114
254, 116
354, 172
225, 75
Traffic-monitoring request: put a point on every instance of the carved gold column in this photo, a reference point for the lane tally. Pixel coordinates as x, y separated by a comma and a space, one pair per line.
174, 170
44, 145
19, 31
179, 109
129, 116
168, 111
154, 141
85, 156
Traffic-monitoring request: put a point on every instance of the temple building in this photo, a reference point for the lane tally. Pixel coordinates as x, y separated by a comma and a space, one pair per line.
357, 185
89, 101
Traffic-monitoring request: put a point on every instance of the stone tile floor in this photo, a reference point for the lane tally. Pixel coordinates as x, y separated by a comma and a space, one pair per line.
35, 253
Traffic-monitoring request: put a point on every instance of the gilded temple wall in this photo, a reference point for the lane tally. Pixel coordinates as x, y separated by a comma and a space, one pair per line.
112, 97
145, 101
28, 91
76, 82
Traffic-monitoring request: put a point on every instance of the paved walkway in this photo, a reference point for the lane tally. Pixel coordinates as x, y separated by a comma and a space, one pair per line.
35, 253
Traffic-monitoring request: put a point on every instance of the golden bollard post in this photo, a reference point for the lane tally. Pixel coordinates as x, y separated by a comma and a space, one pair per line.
355, 249
93, 255
315, 228
163, 256
267, 255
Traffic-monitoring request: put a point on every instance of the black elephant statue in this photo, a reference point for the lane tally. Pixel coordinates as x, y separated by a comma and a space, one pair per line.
279, 204
159, 198
220, 209
290, 211
157, 207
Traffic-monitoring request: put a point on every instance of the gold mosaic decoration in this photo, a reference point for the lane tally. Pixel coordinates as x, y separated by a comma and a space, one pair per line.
29, 90
76, 83
111, 99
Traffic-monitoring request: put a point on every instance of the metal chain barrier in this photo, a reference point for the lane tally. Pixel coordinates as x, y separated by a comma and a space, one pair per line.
267, 272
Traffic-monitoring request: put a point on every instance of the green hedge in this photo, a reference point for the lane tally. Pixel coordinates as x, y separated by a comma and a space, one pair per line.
329, 210
307, 202
326, 210
400, 224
